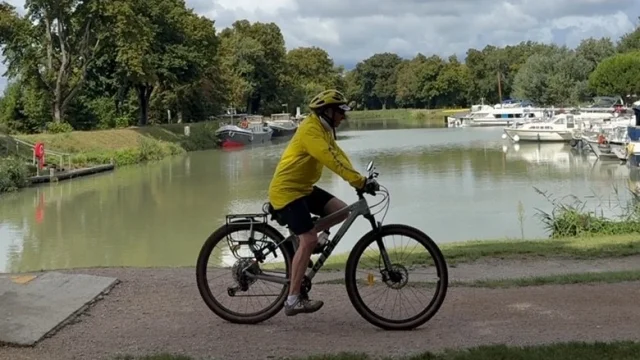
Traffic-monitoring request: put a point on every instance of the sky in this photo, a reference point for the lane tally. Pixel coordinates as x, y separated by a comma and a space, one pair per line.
353, 30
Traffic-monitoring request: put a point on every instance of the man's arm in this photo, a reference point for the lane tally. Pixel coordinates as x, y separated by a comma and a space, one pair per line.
331, 157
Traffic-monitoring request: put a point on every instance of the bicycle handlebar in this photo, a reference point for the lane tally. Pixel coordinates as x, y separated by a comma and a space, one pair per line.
372, 175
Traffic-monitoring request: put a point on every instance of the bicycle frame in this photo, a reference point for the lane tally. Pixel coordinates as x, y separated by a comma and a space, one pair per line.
358, 208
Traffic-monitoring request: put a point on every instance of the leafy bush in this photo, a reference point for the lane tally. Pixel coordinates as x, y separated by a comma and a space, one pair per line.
58, 128
201, 138
13, 174
5, 129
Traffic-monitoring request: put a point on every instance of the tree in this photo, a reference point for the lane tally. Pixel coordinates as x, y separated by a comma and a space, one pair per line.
630, 41
376, 77
310, 70
595, 50
128, 59
617, 75
254, 58
352, 89
554, 78
159, 44
409, 82
53, 44
453, 84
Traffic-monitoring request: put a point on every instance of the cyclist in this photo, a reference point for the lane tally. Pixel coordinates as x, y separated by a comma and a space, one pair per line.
293, 195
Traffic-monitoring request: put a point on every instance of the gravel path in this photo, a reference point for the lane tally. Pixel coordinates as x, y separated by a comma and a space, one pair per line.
160, 310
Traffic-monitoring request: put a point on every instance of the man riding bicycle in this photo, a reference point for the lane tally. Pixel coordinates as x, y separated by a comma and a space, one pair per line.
292, 192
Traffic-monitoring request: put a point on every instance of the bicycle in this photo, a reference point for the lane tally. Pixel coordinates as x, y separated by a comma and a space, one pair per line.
246, 271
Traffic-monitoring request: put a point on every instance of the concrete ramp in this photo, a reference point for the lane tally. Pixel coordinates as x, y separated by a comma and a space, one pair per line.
32, 306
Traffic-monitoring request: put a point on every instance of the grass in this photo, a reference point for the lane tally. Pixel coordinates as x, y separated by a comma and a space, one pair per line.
101, 140
583, 247
618, 350
571, 217
126, 146
608, 277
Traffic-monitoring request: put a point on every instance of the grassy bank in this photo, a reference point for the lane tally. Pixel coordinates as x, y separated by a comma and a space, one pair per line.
619, 350
80, 149
608, 277
127, 146
582, 247
579, 247
405, 117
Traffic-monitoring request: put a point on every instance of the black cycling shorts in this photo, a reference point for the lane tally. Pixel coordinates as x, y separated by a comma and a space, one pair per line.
297, 214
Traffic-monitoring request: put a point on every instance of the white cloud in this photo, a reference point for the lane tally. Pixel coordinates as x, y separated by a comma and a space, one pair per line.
352, 30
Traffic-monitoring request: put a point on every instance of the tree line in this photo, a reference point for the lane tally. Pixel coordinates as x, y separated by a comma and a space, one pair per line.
96, 64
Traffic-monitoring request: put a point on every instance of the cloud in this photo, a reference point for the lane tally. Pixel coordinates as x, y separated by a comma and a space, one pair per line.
352, 30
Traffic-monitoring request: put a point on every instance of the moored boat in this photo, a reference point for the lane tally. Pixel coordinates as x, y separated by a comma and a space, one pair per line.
558, 129
282, 125
245, 133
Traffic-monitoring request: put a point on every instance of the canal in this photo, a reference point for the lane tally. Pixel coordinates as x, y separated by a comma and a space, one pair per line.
454, 183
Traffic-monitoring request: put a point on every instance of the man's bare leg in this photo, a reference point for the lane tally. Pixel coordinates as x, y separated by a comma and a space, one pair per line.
334, 205
294, 304
307, 242
300, 260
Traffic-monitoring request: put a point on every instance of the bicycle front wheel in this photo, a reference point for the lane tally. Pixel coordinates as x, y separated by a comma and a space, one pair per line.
365, 268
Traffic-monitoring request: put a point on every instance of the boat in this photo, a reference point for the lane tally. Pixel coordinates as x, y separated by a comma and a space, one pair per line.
245, 133
504, 114
609, 145
632, 149
282, 125
558, 129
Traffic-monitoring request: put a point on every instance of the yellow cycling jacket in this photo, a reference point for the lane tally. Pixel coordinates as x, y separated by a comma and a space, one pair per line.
310, 149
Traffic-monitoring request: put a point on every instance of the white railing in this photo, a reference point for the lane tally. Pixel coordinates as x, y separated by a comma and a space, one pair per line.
59, 155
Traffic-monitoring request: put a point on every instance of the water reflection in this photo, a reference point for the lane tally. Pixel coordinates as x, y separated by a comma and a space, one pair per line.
455, 184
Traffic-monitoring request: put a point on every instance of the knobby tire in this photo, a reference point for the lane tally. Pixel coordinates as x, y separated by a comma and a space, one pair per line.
219, 235
440, 264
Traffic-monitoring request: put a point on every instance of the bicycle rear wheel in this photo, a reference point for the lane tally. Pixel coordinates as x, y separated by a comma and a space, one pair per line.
239, 285
377, 279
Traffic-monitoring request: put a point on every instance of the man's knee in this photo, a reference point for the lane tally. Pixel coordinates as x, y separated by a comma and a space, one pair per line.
308, 239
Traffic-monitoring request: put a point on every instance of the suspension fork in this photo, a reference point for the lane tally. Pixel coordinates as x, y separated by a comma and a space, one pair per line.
377, 226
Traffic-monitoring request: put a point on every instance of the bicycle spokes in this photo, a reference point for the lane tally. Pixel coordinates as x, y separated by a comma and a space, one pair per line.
229, 270
402, 290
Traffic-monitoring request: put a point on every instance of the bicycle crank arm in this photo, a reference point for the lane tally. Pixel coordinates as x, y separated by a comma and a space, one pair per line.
270, 278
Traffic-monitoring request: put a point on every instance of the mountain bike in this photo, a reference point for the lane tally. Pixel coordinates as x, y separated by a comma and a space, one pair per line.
247, 270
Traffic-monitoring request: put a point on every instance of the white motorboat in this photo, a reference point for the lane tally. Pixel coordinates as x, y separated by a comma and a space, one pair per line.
501, 115
558, 129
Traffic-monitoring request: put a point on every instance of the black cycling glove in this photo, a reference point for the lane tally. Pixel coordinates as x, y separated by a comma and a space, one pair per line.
370, 186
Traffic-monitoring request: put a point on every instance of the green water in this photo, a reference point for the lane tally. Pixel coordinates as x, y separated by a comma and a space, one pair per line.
455, 184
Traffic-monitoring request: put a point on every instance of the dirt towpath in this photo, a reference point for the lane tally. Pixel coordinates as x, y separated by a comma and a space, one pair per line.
160, 310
